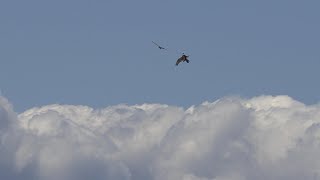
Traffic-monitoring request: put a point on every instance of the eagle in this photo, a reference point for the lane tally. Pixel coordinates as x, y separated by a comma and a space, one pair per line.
182, 59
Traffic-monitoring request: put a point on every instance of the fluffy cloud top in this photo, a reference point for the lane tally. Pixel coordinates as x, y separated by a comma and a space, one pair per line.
231, 139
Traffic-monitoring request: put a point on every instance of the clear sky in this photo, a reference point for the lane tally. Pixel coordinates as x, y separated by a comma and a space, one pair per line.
99, 53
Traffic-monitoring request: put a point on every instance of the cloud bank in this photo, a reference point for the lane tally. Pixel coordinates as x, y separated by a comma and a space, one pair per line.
232, 138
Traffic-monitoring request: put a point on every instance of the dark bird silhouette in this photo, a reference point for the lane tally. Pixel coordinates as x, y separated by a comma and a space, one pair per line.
182, 59
160, 47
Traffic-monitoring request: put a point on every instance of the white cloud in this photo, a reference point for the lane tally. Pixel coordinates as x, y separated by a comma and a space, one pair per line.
231, 139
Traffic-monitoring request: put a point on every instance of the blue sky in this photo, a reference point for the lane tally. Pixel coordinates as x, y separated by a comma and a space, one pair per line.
99, 53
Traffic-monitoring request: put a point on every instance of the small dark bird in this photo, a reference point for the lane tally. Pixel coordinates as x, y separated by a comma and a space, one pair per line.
182, 59
160, 47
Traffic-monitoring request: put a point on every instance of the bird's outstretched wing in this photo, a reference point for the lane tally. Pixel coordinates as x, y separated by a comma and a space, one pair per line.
179, 61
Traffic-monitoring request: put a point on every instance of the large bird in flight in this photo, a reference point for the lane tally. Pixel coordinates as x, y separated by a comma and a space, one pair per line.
160, 47
182, 59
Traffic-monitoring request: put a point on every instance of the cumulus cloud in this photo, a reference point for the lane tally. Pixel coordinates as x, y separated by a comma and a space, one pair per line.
232, 138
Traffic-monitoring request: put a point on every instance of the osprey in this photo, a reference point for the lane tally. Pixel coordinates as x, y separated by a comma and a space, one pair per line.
182, 59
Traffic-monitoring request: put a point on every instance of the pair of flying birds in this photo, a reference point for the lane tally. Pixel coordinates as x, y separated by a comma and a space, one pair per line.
183, 58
